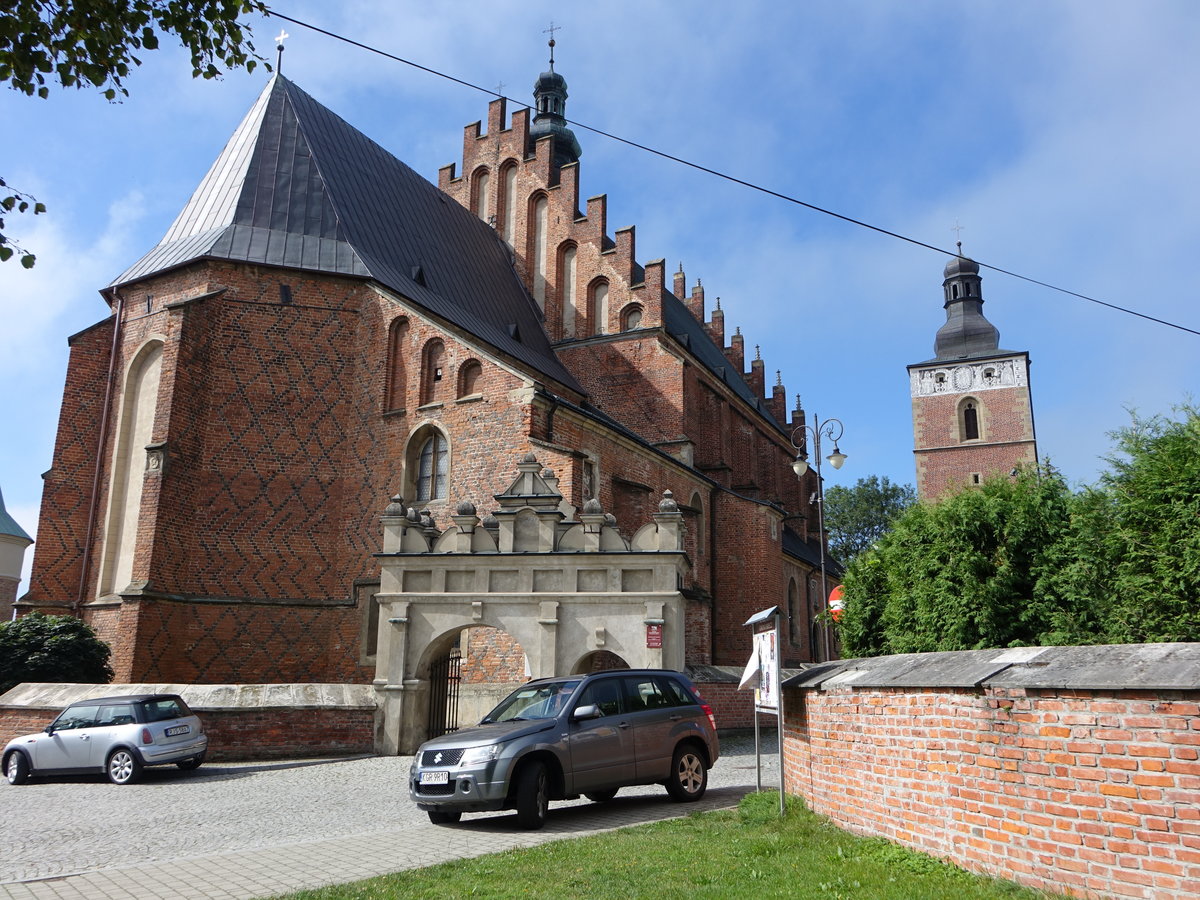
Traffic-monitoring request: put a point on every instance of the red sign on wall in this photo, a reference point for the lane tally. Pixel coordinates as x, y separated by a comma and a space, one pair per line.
654, 636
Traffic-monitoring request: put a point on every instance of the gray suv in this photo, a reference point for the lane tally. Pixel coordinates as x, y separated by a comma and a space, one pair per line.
114, 735
558, 738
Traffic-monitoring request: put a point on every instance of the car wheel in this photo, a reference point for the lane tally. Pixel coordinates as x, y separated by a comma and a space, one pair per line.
689, 777
443, 817
123, 766
533, 796
601, 796
194, 763
16, 770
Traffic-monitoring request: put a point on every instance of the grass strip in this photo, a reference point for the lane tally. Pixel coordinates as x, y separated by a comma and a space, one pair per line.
750, 852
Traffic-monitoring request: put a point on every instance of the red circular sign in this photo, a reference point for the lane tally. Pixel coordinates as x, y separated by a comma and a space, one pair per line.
836, 602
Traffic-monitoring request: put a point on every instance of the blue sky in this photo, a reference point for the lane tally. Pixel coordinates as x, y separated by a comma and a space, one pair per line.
1063, 136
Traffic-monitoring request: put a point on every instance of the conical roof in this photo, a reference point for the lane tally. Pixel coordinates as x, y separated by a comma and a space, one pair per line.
9, 526
298, 187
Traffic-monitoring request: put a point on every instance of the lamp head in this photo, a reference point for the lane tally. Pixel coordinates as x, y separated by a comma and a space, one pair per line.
836, 458
800, 465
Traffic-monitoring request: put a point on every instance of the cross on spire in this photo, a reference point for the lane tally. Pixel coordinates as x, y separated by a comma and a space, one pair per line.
280, 38
957, 229
500, 89
550, 31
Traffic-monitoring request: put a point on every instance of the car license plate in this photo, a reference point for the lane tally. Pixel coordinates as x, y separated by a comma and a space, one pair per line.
435, 778
178, 729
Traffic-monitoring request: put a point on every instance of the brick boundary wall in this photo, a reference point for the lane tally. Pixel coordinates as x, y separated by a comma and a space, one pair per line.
243, 722
1094, 792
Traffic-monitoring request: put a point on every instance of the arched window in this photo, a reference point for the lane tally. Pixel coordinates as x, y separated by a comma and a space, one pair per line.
468, 378
432, 462
566, 281
507, 201
969, 425
599, 306
539, 213
591, 479
433, 361
631, 317
397, 379
139, 402
698, 505
480, 182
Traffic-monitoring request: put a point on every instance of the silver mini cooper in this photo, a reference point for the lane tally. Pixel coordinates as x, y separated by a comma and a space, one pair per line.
114, 735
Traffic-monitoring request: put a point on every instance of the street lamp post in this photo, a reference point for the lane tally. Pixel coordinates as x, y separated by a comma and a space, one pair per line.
831, 429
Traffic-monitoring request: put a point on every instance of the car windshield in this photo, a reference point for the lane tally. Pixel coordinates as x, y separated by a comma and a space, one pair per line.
543, 700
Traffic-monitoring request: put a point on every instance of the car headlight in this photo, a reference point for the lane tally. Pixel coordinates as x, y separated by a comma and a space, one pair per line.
475, 755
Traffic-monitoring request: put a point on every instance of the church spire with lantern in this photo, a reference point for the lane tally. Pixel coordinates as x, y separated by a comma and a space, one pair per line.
972, 411
550, 110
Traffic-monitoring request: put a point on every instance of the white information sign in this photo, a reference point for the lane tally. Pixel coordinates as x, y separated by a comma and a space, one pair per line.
766, 648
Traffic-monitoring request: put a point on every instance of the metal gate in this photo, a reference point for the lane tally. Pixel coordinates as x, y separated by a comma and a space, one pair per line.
444, 679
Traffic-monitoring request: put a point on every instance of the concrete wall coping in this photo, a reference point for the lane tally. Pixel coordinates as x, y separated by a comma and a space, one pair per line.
208, 697
1148, 667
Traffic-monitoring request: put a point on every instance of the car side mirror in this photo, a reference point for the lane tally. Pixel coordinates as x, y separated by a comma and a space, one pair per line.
587, 711
49, 729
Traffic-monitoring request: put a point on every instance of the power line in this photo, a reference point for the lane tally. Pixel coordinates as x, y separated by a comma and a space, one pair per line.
733, 178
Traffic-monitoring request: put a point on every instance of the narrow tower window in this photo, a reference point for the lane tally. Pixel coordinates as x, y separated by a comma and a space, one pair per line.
970, 422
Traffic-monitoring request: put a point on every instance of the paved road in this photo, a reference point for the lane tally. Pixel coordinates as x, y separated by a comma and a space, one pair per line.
256, 829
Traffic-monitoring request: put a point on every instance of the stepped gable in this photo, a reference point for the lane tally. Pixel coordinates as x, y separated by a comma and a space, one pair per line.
300, 188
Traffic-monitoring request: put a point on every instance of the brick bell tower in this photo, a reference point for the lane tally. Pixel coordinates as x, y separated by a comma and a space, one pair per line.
972, 411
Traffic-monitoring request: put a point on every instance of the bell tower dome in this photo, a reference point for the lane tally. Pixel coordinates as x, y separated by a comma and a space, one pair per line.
550, 111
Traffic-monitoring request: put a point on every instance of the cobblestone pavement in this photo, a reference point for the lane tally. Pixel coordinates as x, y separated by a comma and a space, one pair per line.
256, 829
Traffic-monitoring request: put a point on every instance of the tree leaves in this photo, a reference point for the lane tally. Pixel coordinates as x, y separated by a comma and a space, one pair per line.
93, 43
38, 647
856, 517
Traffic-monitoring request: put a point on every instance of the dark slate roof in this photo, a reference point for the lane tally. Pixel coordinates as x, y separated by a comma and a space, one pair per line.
809, 551
298, 187
686, 329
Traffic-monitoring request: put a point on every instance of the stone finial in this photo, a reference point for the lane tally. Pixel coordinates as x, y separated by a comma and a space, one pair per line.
592, 506
490, 522
414, 515
778, 378
668, 504
465, 508
427, 519
529, 458
396, 507
610, 520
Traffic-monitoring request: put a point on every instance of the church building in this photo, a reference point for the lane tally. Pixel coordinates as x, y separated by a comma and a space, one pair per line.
342, 424
971, 407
